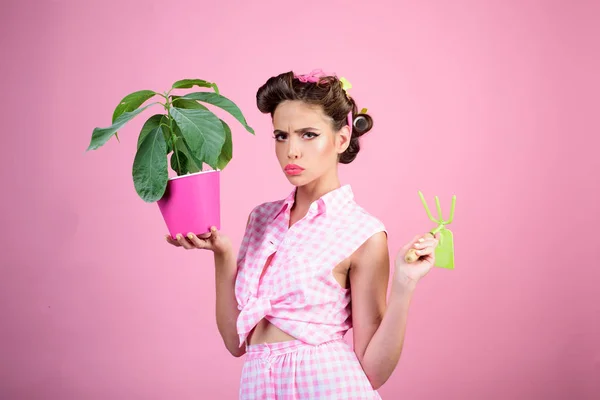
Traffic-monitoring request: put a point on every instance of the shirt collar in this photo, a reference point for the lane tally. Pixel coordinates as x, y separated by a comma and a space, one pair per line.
330, 202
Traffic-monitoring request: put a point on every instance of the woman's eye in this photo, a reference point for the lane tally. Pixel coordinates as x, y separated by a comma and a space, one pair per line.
311, 135
280, 137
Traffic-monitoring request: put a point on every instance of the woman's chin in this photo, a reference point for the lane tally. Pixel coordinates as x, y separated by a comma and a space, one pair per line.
297, 180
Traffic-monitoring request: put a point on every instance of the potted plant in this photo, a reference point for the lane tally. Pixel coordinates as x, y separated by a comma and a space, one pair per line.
186, 137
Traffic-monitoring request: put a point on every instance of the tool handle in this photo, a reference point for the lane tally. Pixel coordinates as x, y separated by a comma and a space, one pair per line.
411, 255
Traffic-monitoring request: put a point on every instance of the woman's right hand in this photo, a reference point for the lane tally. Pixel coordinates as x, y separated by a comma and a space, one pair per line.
213, 240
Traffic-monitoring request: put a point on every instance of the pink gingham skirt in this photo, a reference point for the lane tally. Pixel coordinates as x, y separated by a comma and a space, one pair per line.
296, 370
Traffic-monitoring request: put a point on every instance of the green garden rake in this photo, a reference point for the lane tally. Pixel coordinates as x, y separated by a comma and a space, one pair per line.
444, 252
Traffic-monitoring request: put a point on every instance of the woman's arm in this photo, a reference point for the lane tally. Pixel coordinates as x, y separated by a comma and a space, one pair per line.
226, 304
378, 330
225, 275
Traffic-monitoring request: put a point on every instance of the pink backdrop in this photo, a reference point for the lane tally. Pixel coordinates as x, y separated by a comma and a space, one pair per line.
494, 101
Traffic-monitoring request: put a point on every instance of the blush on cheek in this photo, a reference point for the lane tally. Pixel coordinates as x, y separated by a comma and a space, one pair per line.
323, 145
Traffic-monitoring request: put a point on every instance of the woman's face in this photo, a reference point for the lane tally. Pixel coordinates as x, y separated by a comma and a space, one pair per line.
306, 145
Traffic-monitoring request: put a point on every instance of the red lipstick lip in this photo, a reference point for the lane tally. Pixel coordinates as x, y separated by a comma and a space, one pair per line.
293, 169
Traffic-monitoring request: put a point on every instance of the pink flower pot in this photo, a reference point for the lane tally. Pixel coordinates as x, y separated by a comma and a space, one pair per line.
191, 203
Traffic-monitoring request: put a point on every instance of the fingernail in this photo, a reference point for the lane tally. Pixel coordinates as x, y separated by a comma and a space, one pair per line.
421, 240
179, 236
190, 235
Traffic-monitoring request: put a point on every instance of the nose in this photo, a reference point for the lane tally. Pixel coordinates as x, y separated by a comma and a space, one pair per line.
293, 148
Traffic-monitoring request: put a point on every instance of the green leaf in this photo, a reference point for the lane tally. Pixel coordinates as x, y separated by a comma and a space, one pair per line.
151, 124
192, 156
188, 83
195, 164
188, 104
131, 102
192, 165
101, 135
203, 133
150, 173
179, 163
168, 135
221, 102
227, 150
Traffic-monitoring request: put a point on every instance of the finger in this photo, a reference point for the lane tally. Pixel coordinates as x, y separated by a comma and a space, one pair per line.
198, 242
204, 235
425, 251
184, 242
426, 236
412, 241
426, 243
172, 241
420, 251
214, 233
410, 255
419, 240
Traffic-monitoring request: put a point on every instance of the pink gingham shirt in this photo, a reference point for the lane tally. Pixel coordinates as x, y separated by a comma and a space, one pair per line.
298, 292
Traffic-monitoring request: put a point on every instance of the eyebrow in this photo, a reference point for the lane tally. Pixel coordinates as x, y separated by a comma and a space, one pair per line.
276, 131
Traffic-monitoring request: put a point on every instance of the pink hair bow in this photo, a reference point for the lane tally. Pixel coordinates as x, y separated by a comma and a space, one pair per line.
313, 76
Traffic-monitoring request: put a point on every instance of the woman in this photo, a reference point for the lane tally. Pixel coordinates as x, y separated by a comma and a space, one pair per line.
314, 264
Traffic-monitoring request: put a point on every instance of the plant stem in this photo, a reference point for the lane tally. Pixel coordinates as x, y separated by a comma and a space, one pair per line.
168, 107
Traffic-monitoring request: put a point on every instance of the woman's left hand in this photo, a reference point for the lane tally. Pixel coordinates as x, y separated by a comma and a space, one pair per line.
411, 273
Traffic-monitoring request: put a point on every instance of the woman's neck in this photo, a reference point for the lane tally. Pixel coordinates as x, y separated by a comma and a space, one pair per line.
307, 194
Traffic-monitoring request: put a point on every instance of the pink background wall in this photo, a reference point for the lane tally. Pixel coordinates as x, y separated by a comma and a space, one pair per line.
494, 101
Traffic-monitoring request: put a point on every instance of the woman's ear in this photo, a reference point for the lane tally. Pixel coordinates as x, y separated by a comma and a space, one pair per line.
343, 139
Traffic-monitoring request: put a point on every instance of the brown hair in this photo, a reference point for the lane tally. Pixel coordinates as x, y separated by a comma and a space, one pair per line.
328, 94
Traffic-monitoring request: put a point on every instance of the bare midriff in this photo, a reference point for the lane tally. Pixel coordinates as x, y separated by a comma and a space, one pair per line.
266, 332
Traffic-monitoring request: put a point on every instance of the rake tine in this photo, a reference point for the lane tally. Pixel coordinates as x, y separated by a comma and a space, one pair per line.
451, 210
426, 207
439, 210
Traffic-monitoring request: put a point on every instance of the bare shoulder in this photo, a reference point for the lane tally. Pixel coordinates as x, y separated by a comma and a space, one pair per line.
374, 240
372, 252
